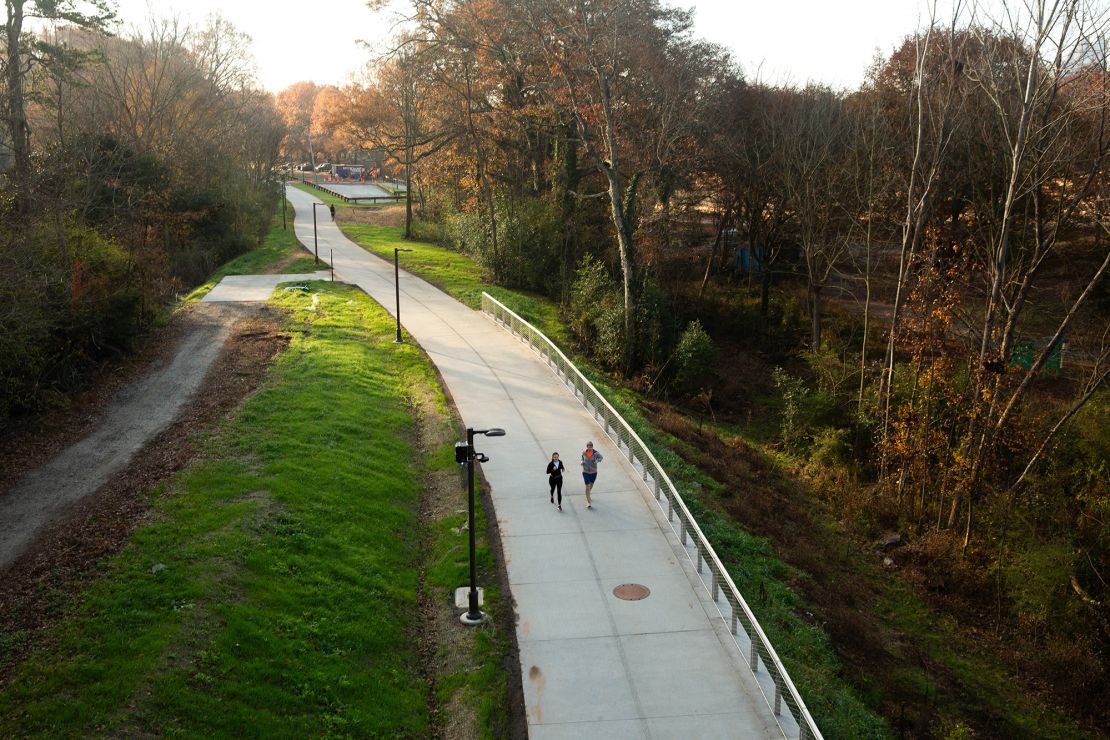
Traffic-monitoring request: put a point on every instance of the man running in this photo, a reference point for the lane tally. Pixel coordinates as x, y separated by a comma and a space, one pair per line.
590, 459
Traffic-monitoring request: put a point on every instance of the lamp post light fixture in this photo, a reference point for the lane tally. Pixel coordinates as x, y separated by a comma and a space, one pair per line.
397, 288
315, 242
465, 454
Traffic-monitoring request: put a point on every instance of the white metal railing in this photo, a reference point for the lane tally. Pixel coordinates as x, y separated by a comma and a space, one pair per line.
750, 640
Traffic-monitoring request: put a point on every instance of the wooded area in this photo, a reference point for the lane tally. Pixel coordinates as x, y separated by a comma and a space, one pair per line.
908, 278
138, 163
894, 296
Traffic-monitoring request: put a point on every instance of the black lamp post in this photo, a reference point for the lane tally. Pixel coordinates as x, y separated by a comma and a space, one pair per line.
283, 186
315, 243
397, 288
465, 454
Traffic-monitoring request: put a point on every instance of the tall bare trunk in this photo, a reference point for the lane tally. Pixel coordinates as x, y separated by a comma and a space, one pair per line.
713, 252
621, 203
408, 193
18, 129
815, 315
483, 178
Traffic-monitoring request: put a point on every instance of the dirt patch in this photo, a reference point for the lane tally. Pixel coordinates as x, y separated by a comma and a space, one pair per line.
36, 589
384, 216
279, 267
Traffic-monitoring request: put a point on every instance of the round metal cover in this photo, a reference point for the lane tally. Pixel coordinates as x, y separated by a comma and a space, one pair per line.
631, 592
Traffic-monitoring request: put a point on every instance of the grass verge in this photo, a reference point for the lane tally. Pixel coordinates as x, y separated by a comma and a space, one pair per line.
276, 592
456, 274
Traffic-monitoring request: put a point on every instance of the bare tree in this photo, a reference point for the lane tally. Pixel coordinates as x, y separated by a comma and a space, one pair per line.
931, 92
816, 149
1043, 71
399, 114
870, 181
22, 54
597, 54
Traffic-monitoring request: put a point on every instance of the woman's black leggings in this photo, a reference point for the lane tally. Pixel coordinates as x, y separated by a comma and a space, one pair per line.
556, 485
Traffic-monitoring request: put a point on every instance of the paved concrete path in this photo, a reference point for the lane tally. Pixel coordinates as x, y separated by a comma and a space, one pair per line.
593, 666
254, 288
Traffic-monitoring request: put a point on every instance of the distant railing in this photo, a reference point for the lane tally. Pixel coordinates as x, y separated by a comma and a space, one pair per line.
752, 643
357, 198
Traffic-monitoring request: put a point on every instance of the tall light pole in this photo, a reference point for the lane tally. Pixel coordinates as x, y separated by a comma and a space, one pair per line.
464, 453
315, 242
283, 198
397, 287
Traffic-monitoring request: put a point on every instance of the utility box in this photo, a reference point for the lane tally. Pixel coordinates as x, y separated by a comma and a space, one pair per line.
462, 450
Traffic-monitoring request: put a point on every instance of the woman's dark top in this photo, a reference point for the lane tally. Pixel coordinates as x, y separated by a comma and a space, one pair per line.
555, 468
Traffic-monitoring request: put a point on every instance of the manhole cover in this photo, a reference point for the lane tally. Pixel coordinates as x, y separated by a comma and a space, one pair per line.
631, 592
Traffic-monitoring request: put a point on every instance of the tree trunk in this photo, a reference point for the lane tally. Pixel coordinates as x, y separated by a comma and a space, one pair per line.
18, 129
815, 316
764, 294
567, 181
866, 314
622, 206
713, 253
622, 221
408, 194
483, 178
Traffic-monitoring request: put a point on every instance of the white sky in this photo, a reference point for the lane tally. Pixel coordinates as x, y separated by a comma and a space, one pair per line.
776, 40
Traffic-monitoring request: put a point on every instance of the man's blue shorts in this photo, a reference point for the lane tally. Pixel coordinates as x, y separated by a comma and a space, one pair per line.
589, 478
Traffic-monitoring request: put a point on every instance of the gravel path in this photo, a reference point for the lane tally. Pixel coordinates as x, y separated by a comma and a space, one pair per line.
136, 415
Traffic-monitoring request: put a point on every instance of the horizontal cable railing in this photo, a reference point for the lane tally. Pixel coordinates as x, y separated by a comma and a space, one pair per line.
749, 638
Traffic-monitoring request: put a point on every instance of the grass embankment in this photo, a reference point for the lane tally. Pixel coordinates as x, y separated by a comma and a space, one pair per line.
277, 591
280, 252
456, 274
803, 645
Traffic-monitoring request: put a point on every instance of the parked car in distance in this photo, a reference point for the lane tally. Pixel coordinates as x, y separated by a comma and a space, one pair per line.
325, 167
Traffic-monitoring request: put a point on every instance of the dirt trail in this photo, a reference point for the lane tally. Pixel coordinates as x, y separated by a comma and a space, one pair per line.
135, 416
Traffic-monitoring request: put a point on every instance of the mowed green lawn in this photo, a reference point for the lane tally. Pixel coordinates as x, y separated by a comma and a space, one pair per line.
456, 274
275, 594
